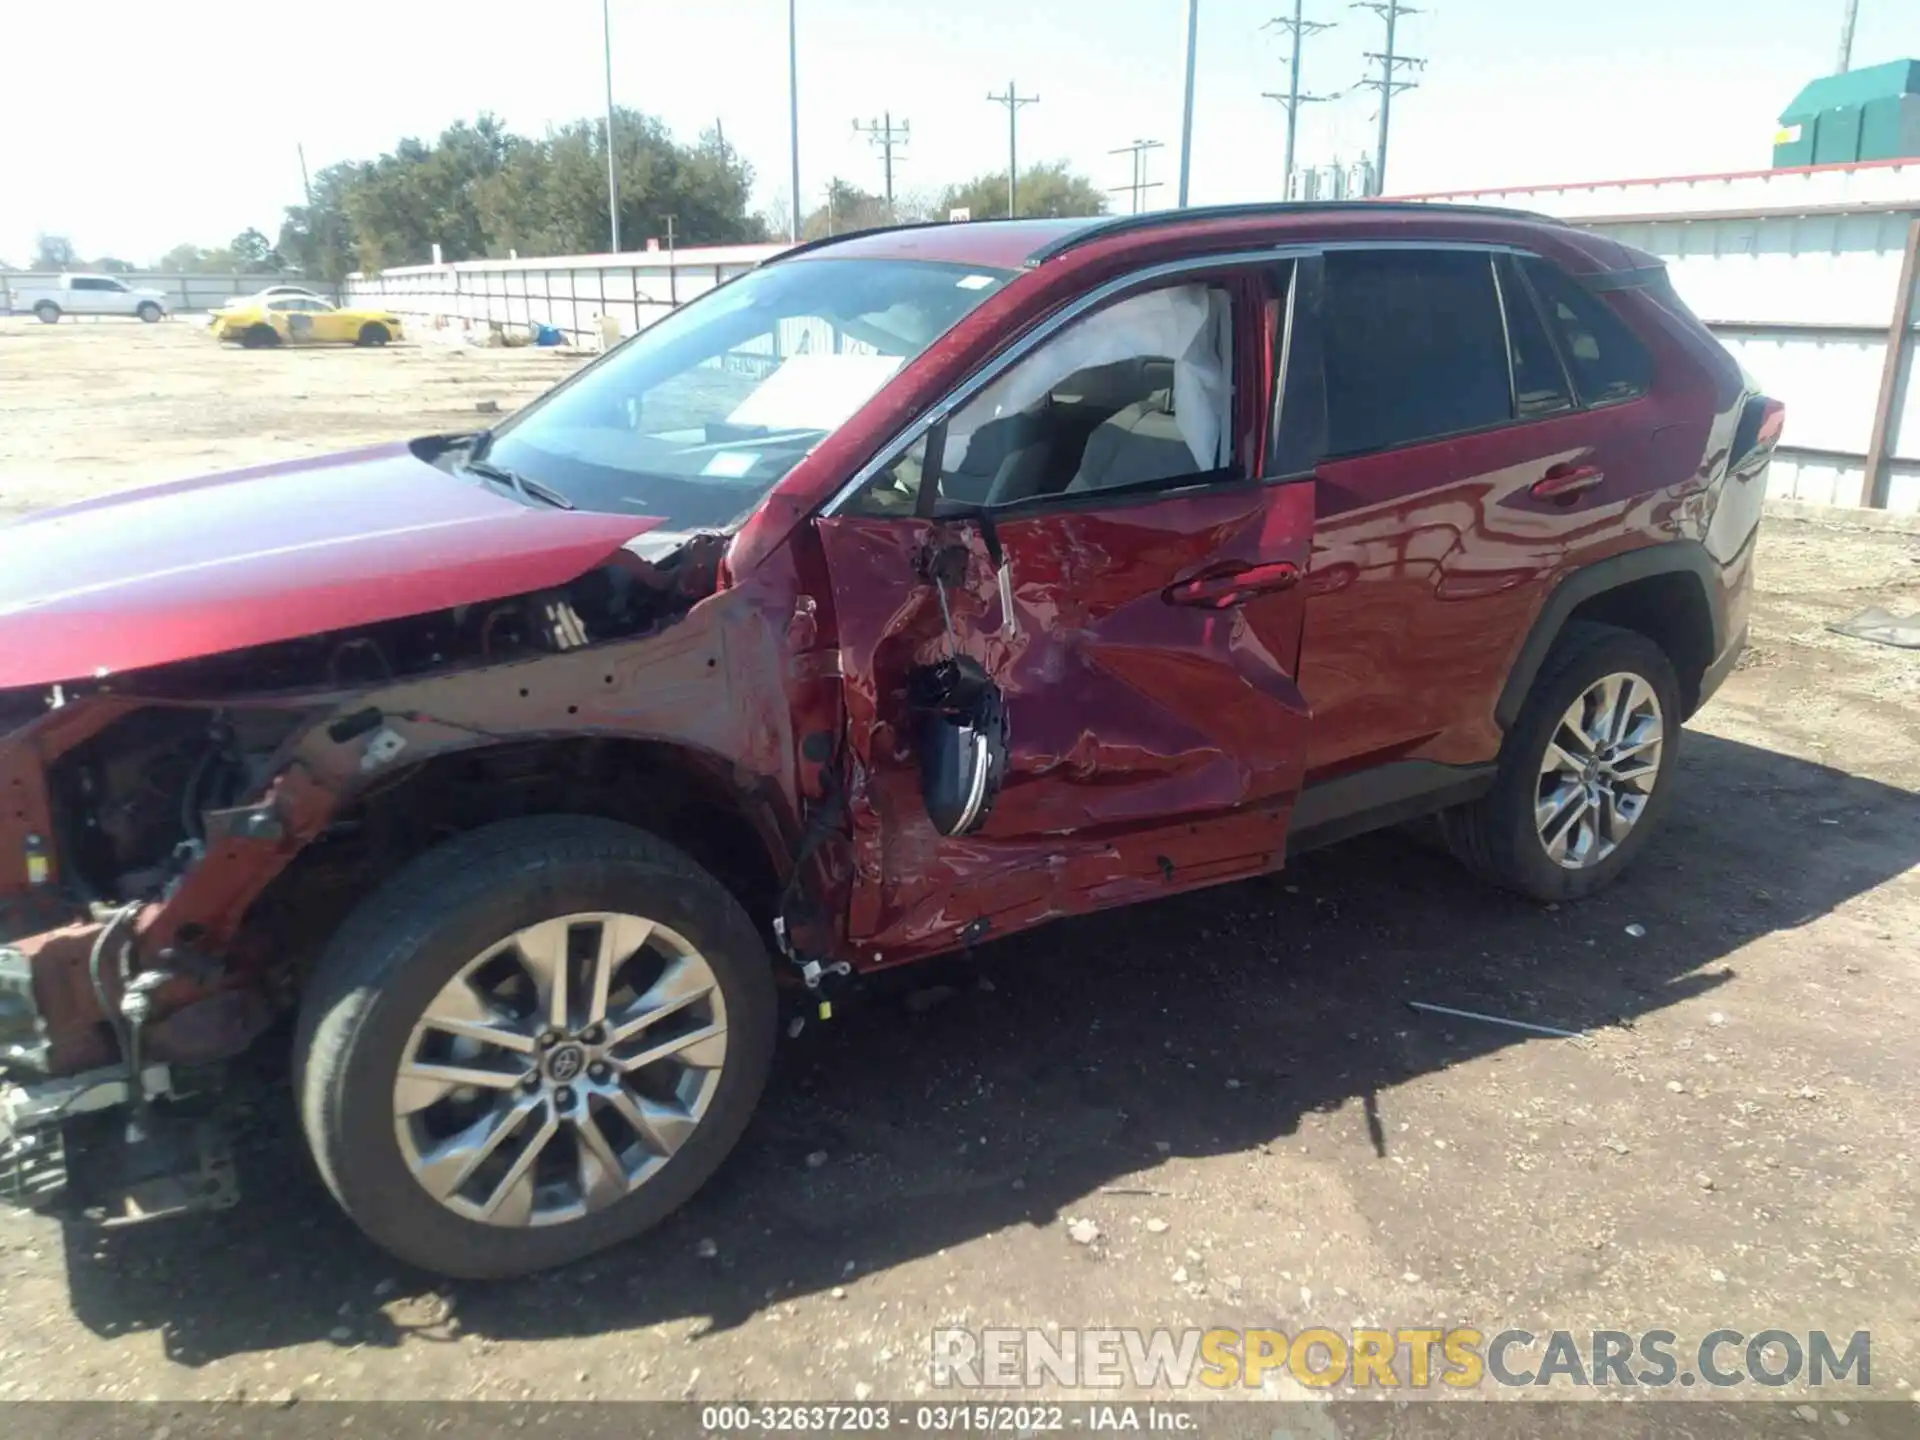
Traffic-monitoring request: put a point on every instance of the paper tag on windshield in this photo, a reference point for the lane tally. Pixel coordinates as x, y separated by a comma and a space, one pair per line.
974, 282
729, 464
815, 391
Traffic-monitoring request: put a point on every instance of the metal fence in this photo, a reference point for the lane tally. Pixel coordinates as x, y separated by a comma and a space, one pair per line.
184, 292
1812, 306
568, 292
1809, 276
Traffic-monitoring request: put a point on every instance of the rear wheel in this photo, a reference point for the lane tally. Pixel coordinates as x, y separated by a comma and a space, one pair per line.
374, 333
1584, 776
46, 312
259, 337
536, 1041
148, 312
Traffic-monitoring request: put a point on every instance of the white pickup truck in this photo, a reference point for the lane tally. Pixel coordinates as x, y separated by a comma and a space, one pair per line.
90, 295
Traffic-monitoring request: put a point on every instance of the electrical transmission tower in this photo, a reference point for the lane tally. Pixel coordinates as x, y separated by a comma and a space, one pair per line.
1299, 27
1140, 184
1013, 101
885, 134
1391, 62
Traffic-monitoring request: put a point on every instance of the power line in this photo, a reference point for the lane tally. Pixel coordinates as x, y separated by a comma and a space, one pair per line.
1013, 101
886, 135
1300, 28
1140, 184
1390, 62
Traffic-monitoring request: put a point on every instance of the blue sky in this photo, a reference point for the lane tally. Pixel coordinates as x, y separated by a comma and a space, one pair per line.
169, 123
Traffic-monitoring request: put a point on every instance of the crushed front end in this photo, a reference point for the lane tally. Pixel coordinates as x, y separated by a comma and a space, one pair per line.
111, 1039
176, 842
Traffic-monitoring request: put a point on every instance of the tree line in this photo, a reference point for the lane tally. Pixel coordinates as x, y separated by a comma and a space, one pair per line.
481, 191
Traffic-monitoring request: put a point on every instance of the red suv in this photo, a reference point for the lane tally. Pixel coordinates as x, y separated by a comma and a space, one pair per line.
906, 592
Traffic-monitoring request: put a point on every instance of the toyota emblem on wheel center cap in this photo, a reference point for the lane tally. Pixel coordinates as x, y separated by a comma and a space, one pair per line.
565, 1063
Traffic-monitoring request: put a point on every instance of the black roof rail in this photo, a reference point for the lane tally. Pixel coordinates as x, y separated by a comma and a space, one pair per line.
1154, 219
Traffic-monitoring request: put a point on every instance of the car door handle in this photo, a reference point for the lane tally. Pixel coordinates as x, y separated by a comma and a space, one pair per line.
1563, 482
1223, 589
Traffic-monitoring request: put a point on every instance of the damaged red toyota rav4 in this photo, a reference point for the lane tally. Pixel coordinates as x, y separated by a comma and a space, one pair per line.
908, 591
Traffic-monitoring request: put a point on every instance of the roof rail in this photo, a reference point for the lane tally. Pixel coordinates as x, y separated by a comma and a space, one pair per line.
1276, 209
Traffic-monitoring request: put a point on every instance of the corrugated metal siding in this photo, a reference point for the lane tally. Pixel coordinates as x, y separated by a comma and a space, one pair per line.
1803, 302
1797, 271
1802, 270
1880, 185
569, 292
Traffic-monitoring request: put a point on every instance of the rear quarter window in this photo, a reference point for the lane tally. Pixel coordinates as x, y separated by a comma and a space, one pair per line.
1606, 359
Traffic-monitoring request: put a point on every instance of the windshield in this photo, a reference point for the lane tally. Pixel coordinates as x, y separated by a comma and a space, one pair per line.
700, 415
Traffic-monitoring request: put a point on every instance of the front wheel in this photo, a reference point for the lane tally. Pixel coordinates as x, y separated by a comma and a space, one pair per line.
46, 312
537, 1040
1585, 773
148, 312
373, 333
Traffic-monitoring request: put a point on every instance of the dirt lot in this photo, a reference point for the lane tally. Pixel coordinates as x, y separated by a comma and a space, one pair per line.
1229, 1085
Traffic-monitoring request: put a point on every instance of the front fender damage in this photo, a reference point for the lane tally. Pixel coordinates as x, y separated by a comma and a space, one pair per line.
130, 944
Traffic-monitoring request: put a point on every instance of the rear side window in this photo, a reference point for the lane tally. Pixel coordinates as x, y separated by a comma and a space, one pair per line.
83, 282
1608, 362
1414, 347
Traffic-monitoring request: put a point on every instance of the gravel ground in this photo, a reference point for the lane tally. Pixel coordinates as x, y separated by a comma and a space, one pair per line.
1229, 1086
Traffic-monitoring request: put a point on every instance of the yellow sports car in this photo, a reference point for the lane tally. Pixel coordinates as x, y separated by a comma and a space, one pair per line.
301, 320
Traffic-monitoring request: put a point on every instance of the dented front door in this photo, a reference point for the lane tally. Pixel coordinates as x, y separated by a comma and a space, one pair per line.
1156, 734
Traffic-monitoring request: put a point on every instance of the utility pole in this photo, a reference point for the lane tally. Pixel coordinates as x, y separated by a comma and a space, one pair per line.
613, 182
1186, 113
1846, 37
886, 135
1013, 101
1390, 62
1138, 150
673, 269
1299, 27
793, 120
306, 185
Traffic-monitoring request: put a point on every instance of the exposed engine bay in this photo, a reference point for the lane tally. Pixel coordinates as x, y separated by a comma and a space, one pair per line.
154, 808
129, 803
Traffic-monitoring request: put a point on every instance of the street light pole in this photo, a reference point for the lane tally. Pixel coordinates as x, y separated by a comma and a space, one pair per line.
613, 181
1186, 118
793, 119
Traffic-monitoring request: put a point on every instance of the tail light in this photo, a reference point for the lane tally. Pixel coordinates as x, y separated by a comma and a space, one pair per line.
1760, 426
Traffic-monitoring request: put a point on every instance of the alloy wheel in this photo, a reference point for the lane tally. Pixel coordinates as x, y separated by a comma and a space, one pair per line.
1599, 770
560, 1069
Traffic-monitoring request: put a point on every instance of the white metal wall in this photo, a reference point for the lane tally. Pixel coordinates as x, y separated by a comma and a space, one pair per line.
568, 292
1804, 303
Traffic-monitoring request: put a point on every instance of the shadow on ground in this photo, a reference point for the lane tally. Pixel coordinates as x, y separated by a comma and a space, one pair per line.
1096, 1040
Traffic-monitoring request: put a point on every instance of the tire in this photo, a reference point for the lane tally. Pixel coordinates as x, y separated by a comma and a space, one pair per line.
46, 312
373, 333
400, 950
1499, 837
259, 337
149, 313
